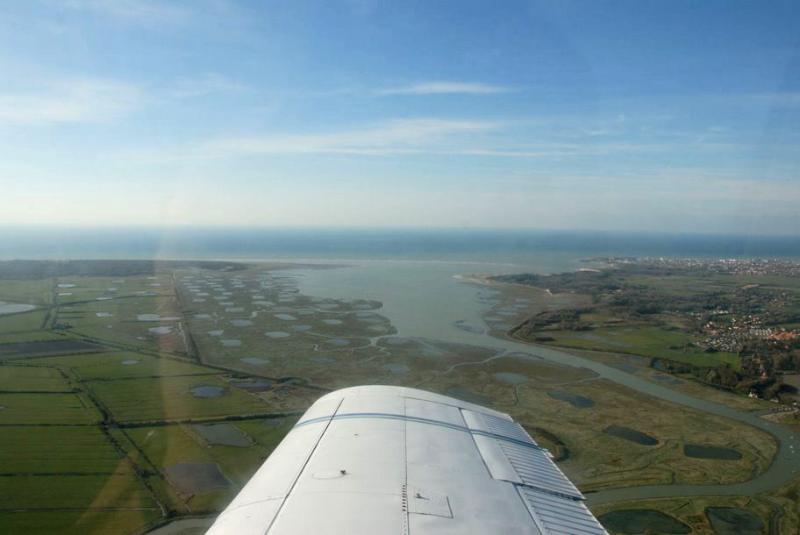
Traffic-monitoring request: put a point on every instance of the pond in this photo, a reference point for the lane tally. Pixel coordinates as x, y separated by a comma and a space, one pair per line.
285, 317
255, 361
196, 478
14, 308
231, 342
130, 362
511, 378
162, 330
224, 434
332, 322
155, 317
274, 422
207, 391
277, 334
704, 451
396, 368
577, 401
631, 435
641, 521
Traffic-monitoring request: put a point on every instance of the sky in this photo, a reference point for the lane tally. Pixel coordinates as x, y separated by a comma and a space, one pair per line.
674, 116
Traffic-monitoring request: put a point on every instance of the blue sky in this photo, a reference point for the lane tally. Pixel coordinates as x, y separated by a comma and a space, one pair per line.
671, 116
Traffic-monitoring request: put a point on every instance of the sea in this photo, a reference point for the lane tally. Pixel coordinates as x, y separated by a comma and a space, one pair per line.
466, 245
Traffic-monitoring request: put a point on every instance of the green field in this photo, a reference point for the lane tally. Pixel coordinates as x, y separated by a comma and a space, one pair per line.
644, 341
27, 408
81, 450
27, 321
147, 399
32, 378
165, 446
122, 364
36, 292
73, 491
78, 522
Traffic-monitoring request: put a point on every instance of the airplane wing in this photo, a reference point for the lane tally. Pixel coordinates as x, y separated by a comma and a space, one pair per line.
377, 460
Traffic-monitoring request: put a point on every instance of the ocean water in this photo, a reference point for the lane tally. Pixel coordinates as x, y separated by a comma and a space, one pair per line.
482, 246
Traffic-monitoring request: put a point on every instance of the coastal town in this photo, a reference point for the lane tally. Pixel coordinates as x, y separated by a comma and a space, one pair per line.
733, 323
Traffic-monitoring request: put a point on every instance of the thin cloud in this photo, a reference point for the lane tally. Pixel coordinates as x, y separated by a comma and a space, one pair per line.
401, 136
779, 98
445, 88
205, 85
71, 101
132, 10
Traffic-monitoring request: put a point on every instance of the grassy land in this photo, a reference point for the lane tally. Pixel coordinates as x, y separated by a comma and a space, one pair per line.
27, 408
687, 384
788, 497
596, 459
165, 446
73, 491
122, 364
25, 322
82, 450
30, 378
35, 292
641, 340
147, 399
31, 336
77, 522
122, 326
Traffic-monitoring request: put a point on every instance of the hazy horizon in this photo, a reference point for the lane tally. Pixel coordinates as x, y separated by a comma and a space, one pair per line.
677, 117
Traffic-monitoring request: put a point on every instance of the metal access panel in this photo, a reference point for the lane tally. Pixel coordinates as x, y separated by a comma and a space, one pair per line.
424, 502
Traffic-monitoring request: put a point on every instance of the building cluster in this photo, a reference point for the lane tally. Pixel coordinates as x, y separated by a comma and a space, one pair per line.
731, 336
727, 266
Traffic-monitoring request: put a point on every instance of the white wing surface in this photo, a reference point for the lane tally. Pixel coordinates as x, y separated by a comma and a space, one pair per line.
377, 460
